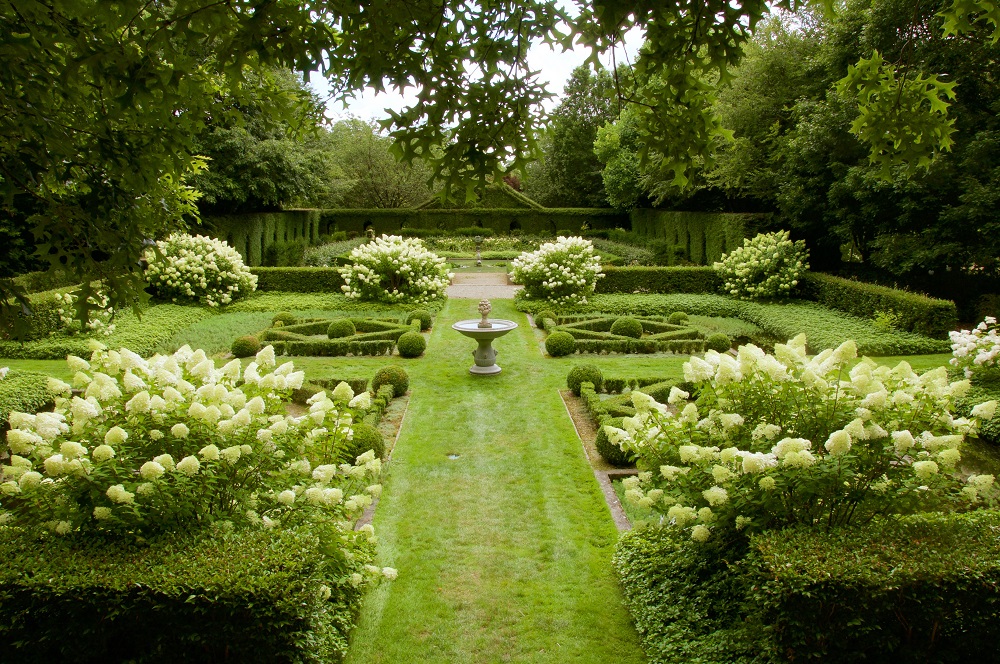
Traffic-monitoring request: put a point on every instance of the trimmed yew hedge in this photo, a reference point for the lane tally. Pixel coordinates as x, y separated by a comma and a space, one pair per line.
659, 280
298, 279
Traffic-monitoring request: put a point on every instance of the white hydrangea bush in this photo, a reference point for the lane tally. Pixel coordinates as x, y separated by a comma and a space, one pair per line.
196, 267
395, 269
766, 266
977, 352
563, 272
176, 443
784, 439
101, 315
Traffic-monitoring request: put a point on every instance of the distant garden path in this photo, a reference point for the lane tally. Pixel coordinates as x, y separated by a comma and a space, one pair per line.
477, 285
493, 518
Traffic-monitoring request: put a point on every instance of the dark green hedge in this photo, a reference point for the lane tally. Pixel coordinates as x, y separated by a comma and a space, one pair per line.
923, 589
917, 313
36, 282
659, 280
247, 597
23, 392
299, 279
700, 237
253, 233
333, 348
498, 220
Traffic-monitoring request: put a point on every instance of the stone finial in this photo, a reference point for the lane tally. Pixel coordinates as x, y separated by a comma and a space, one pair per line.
485, 308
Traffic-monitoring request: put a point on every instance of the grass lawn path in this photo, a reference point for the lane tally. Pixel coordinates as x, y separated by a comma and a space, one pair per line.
503, 553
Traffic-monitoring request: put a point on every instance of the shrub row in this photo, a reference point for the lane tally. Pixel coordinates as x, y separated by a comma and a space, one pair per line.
299, 279
698, 237
333, 348
253, 233
680, 346
270, 301
659, 280
22, 392
498, 220
252, 596
917, 313
37, 282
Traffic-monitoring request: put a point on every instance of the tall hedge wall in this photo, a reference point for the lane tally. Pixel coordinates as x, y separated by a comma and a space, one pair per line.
499, 220
703, 237
251, 234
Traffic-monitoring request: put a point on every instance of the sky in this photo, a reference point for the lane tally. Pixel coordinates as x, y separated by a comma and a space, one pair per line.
555, 67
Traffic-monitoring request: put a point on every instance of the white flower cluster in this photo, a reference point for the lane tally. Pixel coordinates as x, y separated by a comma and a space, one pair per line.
195, 267
563, 272
100, 316
977, 351
395, 269
785, 439
768, 265
175, 442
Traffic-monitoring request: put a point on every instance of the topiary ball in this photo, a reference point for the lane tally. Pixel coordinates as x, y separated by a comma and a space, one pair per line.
584, 373
560, 343
391, 375
611, 452
284, 318
423, 316
541, 316
627, 327
246, 346
719, 342
340, 328
411, 344
678, 318
365, 437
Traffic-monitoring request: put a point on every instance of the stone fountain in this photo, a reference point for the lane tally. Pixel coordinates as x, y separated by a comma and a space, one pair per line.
484, 331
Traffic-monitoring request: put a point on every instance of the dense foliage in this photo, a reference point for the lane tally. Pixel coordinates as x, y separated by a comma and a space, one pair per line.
562, 272
195, 267
396, 270
766, 266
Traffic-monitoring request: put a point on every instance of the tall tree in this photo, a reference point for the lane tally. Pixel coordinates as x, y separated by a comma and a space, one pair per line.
568, 173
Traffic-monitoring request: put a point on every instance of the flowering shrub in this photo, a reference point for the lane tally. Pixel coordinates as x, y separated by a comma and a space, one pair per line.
175, 443
977, 352
776, 440
395, 269
195, 267
563, 272
100, 315
768, 265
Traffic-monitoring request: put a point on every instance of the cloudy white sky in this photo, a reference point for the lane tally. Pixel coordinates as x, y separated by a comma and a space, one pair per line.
555, 67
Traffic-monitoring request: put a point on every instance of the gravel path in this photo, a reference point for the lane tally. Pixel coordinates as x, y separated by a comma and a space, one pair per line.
479, 285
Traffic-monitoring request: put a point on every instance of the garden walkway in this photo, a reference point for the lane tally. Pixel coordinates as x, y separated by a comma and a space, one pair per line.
493, 518
477, 285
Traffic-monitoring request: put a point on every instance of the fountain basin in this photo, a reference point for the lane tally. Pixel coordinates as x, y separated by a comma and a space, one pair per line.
484, 355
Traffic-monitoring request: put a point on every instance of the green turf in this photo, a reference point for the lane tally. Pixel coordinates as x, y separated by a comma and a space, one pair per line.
503, 552
55, 368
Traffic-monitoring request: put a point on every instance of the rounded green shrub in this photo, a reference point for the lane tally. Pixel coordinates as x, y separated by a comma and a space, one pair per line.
560, 343
285, 318
678, 318
365, 437
423, 316
411, 344
627, 327
584, 373
611, 452
541, 316
246, 346
719, 342
342, 327
392, 375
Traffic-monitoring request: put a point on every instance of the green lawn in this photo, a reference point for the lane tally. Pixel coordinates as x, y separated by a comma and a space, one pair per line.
503, 552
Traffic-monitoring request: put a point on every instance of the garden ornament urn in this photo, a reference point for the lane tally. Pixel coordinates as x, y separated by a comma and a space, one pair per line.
484, 331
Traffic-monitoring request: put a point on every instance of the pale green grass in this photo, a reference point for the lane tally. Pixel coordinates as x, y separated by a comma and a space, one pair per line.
504, 552
216, 334
54, 368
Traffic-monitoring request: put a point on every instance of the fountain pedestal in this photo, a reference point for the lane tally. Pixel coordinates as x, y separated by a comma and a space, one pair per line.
485, 355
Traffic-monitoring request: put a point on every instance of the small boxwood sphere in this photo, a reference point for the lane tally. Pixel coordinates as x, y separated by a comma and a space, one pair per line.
366, 437
342, 327
246, 346
678, 318
285, 318
392, 375
719, 342
423, 316
411, 344
584, 373
560, 343
611, 452
541, 316
627, 327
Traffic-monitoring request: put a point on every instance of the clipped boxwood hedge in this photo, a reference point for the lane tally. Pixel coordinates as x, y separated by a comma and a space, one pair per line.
917, 313
22, 392
659, 280
253, 596
298, 279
